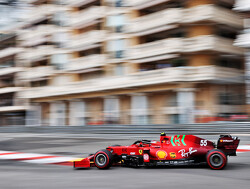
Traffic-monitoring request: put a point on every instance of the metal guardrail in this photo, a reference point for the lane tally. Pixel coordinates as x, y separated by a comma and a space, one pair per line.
218, 128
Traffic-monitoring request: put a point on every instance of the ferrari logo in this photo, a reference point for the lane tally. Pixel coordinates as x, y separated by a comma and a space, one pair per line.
140, 152
172, 155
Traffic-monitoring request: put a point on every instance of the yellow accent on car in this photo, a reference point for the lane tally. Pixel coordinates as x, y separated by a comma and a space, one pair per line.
161, 154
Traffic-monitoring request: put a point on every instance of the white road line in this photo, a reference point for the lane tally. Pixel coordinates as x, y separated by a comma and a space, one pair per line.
50, 160
244, 147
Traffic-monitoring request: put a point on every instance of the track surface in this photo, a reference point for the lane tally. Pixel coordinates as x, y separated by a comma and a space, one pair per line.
16, 174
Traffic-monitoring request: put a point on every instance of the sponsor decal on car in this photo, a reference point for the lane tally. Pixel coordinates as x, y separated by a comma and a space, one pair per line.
187, 154
132, 153
140, 152
178, 140
226, 140
172, 155
161, 154
146, 157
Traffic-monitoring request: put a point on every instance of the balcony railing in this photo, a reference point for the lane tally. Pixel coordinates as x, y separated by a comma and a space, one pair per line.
183, 45
10, 70
171, 45
213, 14
10, 51
42, 12
162, 76
209, 13
86, 62
40, 34
242, 5
211, 43
75, 3
85, 39
32, 55
86, 16
36, 73
162, 18
243, 40
138, 4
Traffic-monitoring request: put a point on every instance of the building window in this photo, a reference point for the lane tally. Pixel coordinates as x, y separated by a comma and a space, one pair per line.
119, 69
172, 101
59, 18
231, 99
116, 48
78, 115
41, 83
139, 110
116, 22
118, 3
174, 118
59, 60
111, 110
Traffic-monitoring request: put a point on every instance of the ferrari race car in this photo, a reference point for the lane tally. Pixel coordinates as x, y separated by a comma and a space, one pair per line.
178, 150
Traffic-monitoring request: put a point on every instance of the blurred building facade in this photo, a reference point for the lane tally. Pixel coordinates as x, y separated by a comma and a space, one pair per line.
12, 108
243, 40
130, 62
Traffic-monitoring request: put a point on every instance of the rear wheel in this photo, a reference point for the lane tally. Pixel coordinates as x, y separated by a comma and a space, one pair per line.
103, 159
216, 159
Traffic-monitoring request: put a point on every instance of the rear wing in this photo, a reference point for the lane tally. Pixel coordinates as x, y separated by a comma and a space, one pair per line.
228, 144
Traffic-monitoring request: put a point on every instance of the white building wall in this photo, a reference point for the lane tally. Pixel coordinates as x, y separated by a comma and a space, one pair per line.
186, 104
58, 114
139, 109
77, 113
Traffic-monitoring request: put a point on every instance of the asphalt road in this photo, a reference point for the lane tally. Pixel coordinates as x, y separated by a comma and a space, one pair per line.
15, 175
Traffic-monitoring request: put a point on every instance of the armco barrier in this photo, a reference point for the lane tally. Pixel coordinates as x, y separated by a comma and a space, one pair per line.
218, 128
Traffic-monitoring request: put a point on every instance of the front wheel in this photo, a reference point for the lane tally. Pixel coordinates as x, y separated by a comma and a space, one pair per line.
103, 159
216, 159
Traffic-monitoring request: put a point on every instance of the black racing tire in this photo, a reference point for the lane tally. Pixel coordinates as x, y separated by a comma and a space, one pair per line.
216, 159
103, 159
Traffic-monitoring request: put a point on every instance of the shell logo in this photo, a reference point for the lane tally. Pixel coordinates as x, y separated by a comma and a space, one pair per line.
161, 154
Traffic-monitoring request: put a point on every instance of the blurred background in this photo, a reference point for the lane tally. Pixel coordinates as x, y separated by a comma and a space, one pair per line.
130, 62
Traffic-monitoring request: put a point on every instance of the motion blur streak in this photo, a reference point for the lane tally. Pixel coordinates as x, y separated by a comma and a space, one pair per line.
140, 62
37, 158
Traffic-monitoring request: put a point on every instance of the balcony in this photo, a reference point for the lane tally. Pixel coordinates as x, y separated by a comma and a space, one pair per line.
242, 5
183, 45
216, 74
11, 104
86, 40
42, 12
166, 46
77, 3
168, 75
41, 34
11, 51
36, 73
172, 16
211, 13
10, 70
243, 40
159, 19
141, 4
91, 15
36, 54
87, 62
10, 90
211, 43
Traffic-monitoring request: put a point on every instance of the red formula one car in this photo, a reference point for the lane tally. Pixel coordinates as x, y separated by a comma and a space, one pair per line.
169, 151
